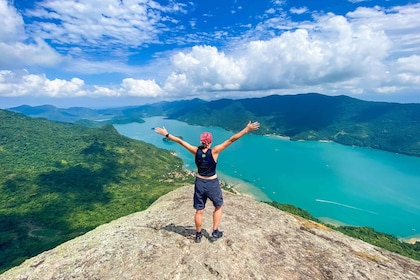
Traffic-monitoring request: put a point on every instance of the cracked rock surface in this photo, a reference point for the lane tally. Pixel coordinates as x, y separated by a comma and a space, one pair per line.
259, 242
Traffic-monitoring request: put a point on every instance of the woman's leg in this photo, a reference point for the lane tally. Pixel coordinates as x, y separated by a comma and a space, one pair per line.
217, 216
198, 219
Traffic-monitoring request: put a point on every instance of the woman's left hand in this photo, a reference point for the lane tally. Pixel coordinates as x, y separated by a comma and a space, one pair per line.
252, 126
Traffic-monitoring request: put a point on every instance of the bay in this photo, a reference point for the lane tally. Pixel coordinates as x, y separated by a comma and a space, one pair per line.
335, 183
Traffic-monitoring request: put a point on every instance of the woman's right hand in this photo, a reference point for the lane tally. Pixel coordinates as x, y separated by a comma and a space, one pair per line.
161, 131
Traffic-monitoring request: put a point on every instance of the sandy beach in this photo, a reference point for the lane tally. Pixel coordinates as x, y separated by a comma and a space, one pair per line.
411, 239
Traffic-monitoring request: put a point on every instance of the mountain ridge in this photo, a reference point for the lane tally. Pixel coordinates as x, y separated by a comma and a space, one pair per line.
349, 121
259, 242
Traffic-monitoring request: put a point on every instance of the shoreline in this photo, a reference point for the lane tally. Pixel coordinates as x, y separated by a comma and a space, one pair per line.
411, 239
288, 138
329, 221
237, 186
282, 137
243, 188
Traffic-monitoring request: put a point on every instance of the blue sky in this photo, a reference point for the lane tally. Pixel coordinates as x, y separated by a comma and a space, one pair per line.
107, 53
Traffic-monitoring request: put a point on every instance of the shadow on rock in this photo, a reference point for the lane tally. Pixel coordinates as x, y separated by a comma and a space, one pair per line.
184, 230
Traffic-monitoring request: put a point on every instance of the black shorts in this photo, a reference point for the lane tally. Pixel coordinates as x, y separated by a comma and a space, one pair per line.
204, 189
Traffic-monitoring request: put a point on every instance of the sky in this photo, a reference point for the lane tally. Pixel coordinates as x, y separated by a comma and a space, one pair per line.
111, 53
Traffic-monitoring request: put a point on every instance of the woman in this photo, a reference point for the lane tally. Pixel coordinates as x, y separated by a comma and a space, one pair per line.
206, 183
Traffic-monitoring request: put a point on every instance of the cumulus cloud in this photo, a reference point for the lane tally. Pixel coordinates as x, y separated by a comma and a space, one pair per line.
408, 69
143, 88
362, 52
20, 84
204, 69
400, 23
333, 51
24, 83
409, 64
366, 50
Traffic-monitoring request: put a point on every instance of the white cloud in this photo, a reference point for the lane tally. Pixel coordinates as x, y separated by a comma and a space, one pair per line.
271, 11
58, 87
14, 53
278, 2
178, 84
142, 88
409, 64
357, 1
11, 22
17, 55
367, 50
408, 69
23, 83
102, 23
332, 52
104, 91
400, 24
77, 31
299, 11
205, 69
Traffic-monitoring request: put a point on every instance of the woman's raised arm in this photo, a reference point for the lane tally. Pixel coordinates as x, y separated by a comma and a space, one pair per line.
249, 127
164, 132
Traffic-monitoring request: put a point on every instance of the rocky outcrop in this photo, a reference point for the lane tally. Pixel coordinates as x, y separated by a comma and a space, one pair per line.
259, 242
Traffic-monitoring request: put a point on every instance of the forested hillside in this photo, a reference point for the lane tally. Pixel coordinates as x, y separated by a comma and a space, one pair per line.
387, 126
391, 127
83, 116
60, 180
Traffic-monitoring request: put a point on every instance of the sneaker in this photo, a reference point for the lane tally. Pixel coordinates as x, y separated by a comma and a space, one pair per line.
198, 237
216, 235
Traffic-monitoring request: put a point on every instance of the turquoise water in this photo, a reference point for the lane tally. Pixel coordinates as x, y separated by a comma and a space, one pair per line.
336, 183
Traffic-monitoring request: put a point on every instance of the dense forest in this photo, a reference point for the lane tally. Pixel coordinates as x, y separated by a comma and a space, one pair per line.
387, 126
60, 180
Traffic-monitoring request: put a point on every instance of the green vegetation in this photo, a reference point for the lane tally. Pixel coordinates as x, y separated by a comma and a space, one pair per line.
293, 210
82, 116
369, 235
386, 241
58, 181
386, 126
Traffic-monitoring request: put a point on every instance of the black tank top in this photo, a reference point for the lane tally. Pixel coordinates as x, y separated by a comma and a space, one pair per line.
205, 163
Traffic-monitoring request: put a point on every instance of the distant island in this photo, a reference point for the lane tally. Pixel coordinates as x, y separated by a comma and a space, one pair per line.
165, 139
392, 127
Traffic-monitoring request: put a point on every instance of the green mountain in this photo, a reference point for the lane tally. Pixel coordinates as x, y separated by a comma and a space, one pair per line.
83, 116
387, 126
60, 180
391, 127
